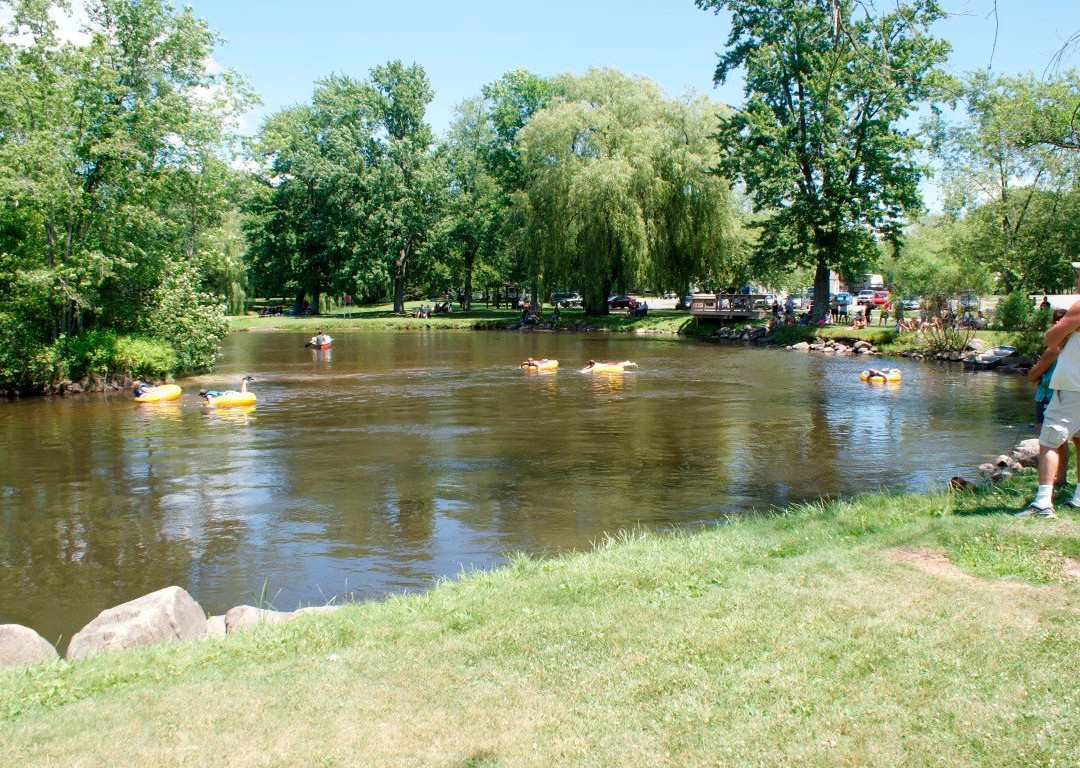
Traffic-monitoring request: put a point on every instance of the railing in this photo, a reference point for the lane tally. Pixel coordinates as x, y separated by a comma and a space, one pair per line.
730, 306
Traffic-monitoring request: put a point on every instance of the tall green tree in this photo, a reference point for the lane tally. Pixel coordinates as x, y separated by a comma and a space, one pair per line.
404, 185
619, 188
1008, 181
817, 143
109, 165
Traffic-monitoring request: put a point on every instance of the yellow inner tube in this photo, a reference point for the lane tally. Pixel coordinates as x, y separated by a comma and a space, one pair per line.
231, 398
891, 375
609, 367
159, 394
540, 365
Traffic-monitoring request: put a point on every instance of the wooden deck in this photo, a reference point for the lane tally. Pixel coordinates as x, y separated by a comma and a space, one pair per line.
738, 306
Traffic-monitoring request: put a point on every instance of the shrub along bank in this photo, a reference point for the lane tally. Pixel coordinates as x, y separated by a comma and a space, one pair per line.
885, 630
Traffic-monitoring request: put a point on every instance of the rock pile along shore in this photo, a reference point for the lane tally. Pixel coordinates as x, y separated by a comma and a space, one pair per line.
169, 615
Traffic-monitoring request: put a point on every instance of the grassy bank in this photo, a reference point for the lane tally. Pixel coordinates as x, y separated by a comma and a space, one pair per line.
381, 317
889, 630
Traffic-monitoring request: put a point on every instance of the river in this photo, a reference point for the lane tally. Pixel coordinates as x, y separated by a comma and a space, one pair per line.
399, 457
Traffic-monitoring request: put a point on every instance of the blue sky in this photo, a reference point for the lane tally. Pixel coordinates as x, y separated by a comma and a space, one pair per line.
283, 47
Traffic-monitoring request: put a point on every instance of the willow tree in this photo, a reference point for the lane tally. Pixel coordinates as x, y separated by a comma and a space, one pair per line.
818, 143
618, 189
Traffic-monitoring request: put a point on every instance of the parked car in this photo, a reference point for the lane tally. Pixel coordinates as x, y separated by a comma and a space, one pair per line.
843, 298
865, 297
881, 299
911, 304
568, 299
623, 302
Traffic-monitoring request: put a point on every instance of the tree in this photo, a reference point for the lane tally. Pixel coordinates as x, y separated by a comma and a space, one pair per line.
619, 188
403, 183
1012, 187
817, 142
109, 168
476, 205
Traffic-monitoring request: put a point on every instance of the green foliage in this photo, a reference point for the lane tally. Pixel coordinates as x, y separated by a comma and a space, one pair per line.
192, 321
26, 365
140, 357
817, 143
1009, 185
620, 189
1014, 312
1030, 331
112, 169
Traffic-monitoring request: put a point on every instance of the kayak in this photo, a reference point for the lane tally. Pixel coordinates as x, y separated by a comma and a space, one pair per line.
609, 367
231, 398
159, 394
540, 365
891, 375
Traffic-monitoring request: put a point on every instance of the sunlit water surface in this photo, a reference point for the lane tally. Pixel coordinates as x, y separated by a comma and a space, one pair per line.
396, 458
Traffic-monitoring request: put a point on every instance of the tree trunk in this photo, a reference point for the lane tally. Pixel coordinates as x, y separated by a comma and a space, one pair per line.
466, 299
399, 281
316, 296
821, 293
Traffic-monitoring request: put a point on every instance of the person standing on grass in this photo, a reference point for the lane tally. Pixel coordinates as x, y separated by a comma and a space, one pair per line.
898, 314
1062, 419
1042, 373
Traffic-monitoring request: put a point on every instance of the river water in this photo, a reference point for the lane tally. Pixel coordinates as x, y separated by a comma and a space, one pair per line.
399, 457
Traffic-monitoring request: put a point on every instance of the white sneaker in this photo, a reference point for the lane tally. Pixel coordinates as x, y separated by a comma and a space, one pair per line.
1032, 511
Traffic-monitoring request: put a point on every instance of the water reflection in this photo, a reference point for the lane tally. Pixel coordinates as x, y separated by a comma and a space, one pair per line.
404, 456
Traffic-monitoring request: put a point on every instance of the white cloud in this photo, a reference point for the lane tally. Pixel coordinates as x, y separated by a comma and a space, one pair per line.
70, 24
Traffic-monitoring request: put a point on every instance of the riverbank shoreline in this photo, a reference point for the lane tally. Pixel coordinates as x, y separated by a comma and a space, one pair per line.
860, 631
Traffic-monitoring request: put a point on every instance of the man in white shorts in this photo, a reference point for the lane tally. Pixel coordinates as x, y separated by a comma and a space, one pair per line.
1062, 419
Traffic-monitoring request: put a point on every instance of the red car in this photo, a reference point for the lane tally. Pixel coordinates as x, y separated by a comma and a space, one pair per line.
623, 302
881, 299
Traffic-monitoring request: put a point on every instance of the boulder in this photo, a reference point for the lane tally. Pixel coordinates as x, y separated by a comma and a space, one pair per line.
862, 350
978, 346
318, 609
861, 345
21, 646
802, 346
246, 616
215, 626
1006, 462
1026, 453
166, 616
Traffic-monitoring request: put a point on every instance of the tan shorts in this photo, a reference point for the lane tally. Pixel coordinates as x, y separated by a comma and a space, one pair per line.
1062, 419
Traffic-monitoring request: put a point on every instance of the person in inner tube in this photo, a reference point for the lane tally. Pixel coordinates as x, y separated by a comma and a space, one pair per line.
141, 388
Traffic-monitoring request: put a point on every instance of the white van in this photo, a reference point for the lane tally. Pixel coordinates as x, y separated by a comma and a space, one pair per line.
873, 282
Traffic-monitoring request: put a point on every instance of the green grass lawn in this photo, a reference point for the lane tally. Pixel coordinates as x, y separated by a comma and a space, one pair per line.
886, 630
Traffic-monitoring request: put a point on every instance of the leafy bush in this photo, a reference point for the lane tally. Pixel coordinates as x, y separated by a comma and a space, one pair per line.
26, 364
1014, 312
90, 353
142, 358
194, 322
1029, 339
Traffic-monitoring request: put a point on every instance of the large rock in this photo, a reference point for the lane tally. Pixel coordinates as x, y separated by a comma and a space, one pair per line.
20, 646
860, 345
246, 616
1026, 452
802, 346
215, 626
167, 616
318, 609
978, 346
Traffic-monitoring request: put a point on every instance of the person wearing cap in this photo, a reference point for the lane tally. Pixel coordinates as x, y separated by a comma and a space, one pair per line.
1061, 421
